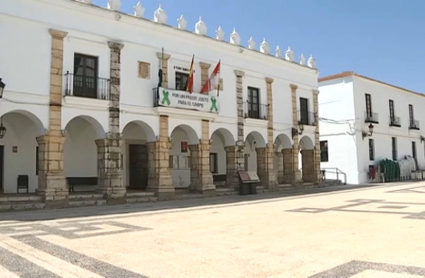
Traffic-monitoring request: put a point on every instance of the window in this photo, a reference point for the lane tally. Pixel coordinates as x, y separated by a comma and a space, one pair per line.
414, 150
324, 151
304, 111
368, 106
253, 103
392, 115
213, 163
181, 80
394, 147
411, 116
85, 76
371, 150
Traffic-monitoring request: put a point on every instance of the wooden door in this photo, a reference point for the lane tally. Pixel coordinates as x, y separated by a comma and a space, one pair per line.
138, 160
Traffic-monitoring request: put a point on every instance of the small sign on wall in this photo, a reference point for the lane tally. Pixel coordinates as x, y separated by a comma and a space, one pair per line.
15, 149
184, 147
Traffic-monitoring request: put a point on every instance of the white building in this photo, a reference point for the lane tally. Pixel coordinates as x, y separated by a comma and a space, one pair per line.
350, 105
83, 79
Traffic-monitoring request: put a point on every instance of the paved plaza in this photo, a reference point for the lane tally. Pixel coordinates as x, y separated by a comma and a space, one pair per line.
340, 232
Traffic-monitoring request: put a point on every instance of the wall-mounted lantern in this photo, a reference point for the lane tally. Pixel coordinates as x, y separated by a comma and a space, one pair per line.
298, 131
368, 133
422, 139
2, 129
2, 85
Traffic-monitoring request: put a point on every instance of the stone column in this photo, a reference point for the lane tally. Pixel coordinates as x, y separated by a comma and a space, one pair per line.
280, 173
164, 62
269, 162
160, 180
201, 179
109, 170
232, 167
240, 143
318, 173
296, 173
204, 73
308, 165
110, 182
288, 168
265, 170
51, 179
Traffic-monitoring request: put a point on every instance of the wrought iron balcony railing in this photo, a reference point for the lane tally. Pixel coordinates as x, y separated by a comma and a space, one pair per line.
87, 86
256, 110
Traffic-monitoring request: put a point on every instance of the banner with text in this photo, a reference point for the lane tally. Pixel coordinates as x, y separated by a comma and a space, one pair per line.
185, 100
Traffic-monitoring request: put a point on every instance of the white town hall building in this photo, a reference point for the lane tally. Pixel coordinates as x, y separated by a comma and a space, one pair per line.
81, 104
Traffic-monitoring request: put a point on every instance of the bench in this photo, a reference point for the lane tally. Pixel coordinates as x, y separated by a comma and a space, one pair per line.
76, 181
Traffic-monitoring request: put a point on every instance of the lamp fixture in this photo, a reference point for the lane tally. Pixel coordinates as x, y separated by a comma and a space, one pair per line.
2, 129
422, 139
298, 131
2, 85
369, 133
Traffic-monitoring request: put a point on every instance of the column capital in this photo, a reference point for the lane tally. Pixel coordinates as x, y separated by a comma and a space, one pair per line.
239, 73
115, 45
293, 87
166, 56
204, 65
57, 33
316, 92
269, 80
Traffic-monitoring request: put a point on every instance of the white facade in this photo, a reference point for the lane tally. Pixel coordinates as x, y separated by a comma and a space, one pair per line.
343, 119
25, 67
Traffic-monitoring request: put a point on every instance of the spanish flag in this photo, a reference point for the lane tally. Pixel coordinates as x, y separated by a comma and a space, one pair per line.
189, 86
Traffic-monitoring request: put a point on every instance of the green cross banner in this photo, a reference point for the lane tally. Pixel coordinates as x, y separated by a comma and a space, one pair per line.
165, 97
214, 104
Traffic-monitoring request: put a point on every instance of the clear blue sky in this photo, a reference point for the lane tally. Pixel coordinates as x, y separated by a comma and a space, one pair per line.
382, 39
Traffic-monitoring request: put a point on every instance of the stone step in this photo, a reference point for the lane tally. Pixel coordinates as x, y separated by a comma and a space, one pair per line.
84, 196
137, 199
20, 198
140, 194
87, 202
21, 206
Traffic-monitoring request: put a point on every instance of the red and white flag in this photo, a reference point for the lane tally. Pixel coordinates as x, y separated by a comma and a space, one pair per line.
213, 81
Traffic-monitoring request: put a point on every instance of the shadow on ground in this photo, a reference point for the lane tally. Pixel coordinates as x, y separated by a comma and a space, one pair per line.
195, 204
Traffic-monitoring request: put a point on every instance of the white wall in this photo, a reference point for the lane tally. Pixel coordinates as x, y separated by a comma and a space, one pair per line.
181, 177
80, 150
337, 126
381, 94
217, 146
252, 153
89, 29
21, 132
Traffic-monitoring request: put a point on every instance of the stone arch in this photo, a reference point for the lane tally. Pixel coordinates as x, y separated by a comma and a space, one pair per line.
100, 132
39, 127
20, 149
306, 143
80, 148
306, 156
147, 130
192, 137
282, 141
225, 135
255, 139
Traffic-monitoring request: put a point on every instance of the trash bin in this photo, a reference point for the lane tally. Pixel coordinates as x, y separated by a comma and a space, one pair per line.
252, 188
244, 189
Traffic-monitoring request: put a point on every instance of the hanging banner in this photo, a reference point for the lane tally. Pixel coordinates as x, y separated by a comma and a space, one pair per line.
185, 100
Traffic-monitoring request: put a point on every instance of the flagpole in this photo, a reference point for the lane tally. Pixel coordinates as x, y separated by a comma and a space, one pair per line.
219, 72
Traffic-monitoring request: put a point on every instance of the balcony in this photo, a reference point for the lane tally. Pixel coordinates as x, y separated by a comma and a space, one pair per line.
255, 110
87, 86
395, 121
163, 97
371, 118
414, 125
306, 118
